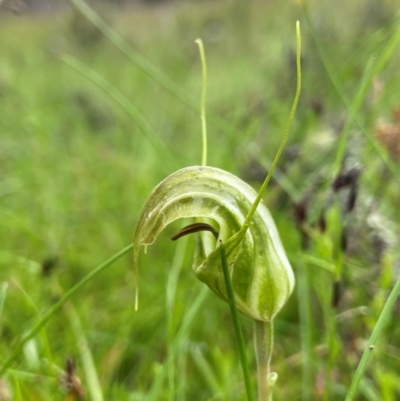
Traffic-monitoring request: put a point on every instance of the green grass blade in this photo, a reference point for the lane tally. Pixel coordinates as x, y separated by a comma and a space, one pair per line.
205, 369
3, 294
191, 314
162, 150
372, 69
148, 68
172, 282
383, 318
304, 302
353, 107
178, 340
89, 367
56, 307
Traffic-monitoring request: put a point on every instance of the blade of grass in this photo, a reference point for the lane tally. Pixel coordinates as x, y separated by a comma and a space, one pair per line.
205, 369
191, 314
148, 68
163, 152
31, 305
179, 339
56, 307
371, 71
380, 324
154, 394
172, 282
303, 298
89, 367
3, 294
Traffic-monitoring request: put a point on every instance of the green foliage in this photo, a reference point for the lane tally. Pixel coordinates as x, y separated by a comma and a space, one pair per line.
76, 169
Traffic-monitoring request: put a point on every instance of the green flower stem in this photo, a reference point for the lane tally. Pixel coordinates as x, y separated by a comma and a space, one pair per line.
263, 345
372, 341
199, 42
56, 307
236, 323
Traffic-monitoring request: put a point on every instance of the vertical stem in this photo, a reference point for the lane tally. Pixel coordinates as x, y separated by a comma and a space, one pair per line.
263, 344
303, 296
172, 282
203, 102
332, 351
236, 323
264, 185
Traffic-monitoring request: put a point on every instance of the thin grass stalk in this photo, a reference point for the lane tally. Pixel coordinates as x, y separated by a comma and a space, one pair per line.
332, 351
304, 302
159, 146
172, 282
205, 369
3, 294
236, 323
57, 306
149, 69
355, 106
156, 389
380, 324
380, 62
17, 390
31, 377
154, 393
31, 305
182, 367
292, 113
89, 367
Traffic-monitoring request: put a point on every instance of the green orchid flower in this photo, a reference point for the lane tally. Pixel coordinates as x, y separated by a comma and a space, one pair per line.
261, 274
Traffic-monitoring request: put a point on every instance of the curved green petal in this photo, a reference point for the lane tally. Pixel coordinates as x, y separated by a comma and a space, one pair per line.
261, 275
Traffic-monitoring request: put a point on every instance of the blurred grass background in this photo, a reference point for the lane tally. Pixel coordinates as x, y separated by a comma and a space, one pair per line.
75, 170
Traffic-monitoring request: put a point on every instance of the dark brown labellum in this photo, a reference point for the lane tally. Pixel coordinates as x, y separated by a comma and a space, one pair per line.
194, 228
